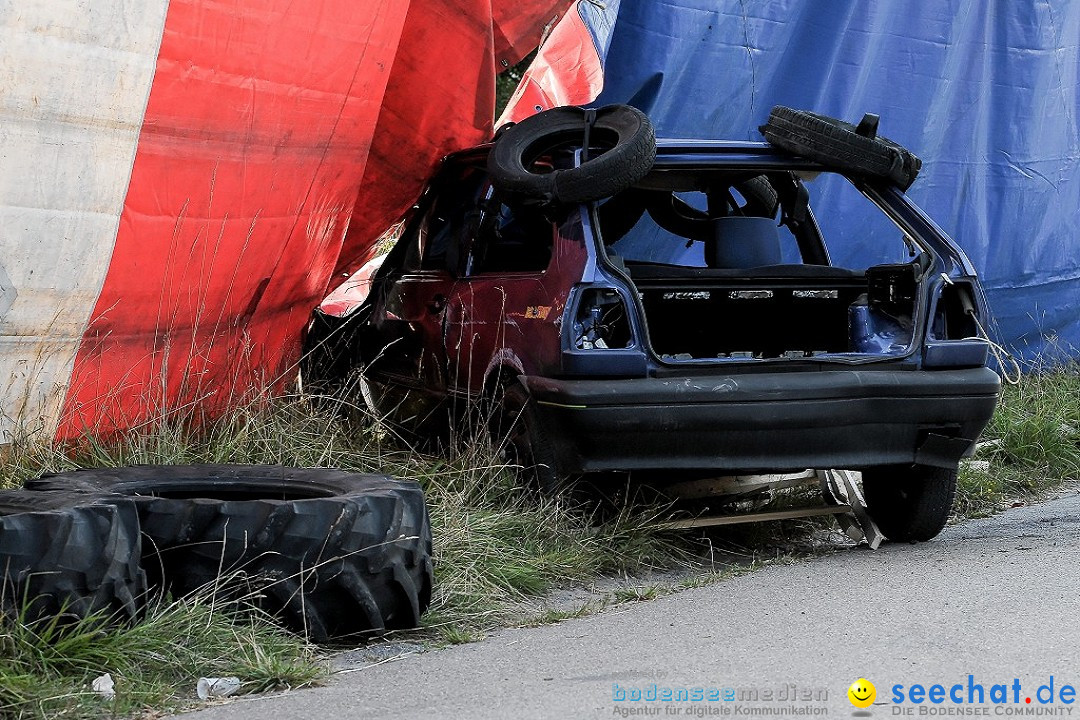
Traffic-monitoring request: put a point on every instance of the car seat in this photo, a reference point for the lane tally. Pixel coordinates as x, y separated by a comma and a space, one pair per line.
743, 242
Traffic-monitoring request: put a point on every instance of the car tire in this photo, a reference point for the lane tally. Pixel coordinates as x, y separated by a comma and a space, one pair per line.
909, 503
332, 553
517, 432
623, 133
761, 199
839, 144
69, 554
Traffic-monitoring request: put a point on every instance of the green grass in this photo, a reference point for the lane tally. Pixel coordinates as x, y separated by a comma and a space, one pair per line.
1031, 446
507, 81
638, 594
493, 550
553, 616
46, 668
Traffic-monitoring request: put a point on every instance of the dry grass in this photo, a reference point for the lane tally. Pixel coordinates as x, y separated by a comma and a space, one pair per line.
495, 551
492, 550
1031, 446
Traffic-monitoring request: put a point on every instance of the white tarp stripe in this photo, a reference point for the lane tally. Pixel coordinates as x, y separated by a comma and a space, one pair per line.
75, 77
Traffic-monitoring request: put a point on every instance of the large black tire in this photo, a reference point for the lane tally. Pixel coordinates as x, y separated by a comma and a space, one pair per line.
333, 553
622, 150
516, 431
69, 554
837, 144
909, 503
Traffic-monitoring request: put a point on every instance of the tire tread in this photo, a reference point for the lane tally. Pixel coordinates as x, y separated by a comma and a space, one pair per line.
910, 504
326, 564
69, 554
835, 142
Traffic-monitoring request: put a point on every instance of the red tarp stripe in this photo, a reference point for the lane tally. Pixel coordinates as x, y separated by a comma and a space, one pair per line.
567, 71
255, 138
271, 130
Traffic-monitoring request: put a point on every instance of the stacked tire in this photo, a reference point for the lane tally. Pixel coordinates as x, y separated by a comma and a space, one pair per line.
332, 553
620, 138
856, 149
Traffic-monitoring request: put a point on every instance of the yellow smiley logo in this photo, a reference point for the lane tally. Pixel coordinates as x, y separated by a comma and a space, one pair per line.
862, 693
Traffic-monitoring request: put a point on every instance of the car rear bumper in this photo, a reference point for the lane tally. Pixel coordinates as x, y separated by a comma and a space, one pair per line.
767, 421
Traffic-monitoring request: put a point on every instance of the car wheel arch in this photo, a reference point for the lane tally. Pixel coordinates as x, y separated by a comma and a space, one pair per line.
505, 367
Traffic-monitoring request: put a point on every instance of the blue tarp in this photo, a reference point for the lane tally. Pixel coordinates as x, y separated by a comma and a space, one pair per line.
985, 92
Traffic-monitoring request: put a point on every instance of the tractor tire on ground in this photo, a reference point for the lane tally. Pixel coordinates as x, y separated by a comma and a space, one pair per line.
909, 503
837, 144
333, 553
622, 150
69, 554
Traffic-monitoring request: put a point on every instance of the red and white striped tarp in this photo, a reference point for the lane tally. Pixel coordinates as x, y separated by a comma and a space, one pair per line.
181, 181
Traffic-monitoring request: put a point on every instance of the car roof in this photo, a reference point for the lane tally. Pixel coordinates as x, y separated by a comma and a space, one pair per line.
678, 152
690, 152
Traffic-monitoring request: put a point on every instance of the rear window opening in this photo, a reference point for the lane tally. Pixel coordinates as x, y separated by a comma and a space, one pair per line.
735, 266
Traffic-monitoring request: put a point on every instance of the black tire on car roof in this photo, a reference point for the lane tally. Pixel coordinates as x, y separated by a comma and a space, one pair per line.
841, 145
69, 554
622, 150
333, 553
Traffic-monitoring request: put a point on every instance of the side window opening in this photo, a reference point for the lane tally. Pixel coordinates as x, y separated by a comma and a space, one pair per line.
513, 237
857, 234
445, 223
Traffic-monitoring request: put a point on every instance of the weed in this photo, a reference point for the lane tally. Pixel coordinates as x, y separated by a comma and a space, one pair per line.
704, 579
46, 668
553, 616
637, 594
453, 635
1031, 445
492, 550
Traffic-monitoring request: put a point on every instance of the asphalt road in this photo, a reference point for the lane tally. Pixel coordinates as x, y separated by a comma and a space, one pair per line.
995, 598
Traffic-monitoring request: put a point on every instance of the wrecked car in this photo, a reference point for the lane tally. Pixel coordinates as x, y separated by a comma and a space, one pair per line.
638, 305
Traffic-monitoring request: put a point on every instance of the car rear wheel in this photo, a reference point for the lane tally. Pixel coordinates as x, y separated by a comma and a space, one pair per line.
517, 433
909, 503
